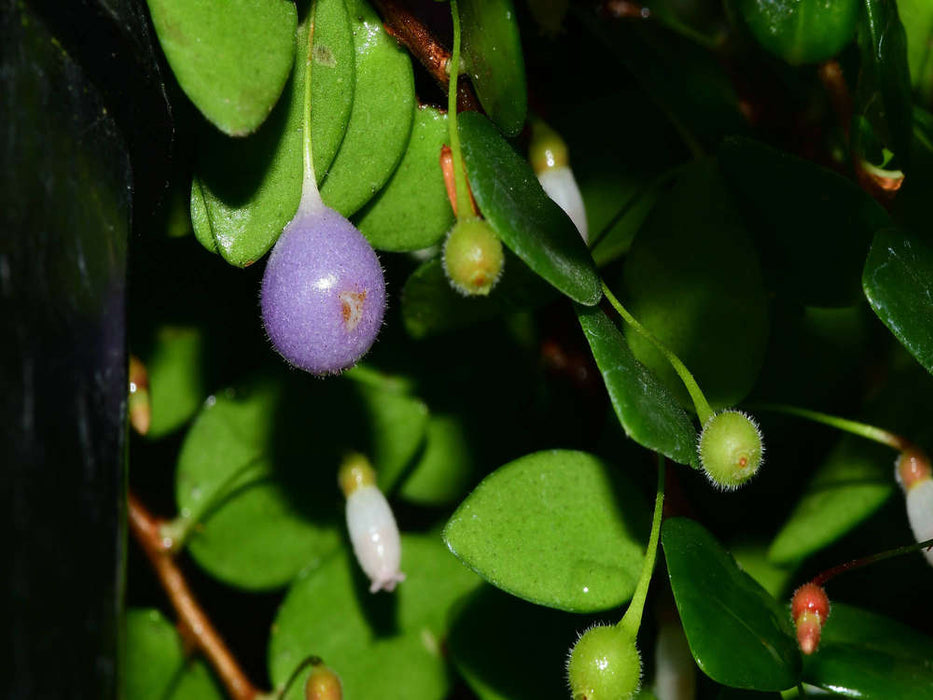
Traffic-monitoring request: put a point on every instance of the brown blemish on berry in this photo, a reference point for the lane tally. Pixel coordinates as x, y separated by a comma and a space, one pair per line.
743, 461
351, 308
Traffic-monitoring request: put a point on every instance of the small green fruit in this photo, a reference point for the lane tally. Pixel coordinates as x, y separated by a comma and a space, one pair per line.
730, 449
604, 664
473, 257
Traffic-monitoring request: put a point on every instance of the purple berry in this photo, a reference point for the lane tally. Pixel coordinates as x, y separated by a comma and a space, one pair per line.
323, 293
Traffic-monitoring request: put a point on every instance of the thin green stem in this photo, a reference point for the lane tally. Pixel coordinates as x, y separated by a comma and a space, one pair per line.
310, 195
460, 182
308, 661
704, 412
869, 432
631, 621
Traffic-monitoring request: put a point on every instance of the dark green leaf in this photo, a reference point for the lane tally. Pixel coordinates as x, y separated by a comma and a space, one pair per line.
244, 192
898, 282
492, 54
883, 119
557, 528
413, 211
446, 468
917, 18
381, 117
864, 655
527, 221
739, 635
383, 646
813, 227
176, 378
692, 278
232, 63
853, 482
648, 412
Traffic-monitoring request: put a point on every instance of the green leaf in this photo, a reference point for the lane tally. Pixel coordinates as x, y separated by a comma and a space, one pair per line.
917, 18
412, 211
853, 482
883, 96
865, 655
739, 635
524, 217
257, 472
898, 282
492, 54
648, 412
813, 227
692, 278
380, 119
752, 558
245, 192
232, 63
446, 468
431, 306
490, 626
558, 528
176, 378
383, 646
632, 203
156, 668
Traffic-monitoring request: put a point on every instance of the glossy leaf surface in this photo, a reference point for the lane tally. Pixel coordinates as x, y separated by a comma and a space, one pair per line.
692, 278
898, 282
244, 192
233, 63
558, 528
853, 482
258, 469
647, 410
384, 646
814, 259
528, 222
866, 655
739, 635
412, 211
380, 119
492, 54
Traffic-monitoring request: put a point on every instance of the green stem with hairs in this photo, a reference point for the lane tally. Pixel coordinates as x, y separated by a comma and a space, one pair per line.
460, 181
631, 621
704, 412
869, 432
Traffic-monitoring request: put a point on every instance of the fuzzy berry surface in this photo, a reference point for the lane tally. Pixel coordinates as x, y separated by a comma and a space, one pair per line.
730, 449
604, 664
323, 293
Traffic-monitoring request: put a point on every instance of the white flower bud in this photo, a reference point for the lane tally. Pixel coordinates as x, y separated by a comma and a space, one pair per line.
920, 513
560, 185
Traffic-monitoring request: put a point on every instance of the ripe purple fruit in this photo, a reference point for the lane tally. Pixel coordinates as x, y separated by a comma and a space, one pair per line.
323, 292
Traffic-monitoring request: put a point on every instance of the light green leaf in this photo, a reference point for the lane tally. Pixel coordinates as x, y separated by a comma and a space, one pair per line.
380, 119
176, 378
232, 63
383, 646
558, 528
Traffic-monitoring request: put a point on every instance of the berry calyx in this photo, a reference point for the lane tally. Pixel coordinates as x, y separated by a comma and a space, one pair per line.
473, 257
604, 664
730, 448
809, 610
913, 468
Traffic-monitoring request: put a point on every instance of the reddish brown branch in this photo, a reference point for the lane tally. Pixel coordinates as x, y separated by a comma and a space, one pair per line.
411, 32
198, 628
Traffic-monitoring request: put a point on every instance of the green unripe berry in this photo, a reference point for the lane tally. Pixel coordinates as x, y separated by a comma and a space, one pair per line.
730, 449
604, 664
800, 31
473, 257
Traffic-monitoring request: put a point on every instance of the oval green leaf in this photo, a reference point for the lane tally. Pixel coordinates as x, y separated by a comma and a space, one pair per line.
492, 54
853, 482
813, 227
244, 192
739, 635
648, 412
898, 282
558, 528
412, 211
446, 468
177, 382
524, 217
231, 62
380, 119
383, 646
865, 655
692, 278
256, 480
